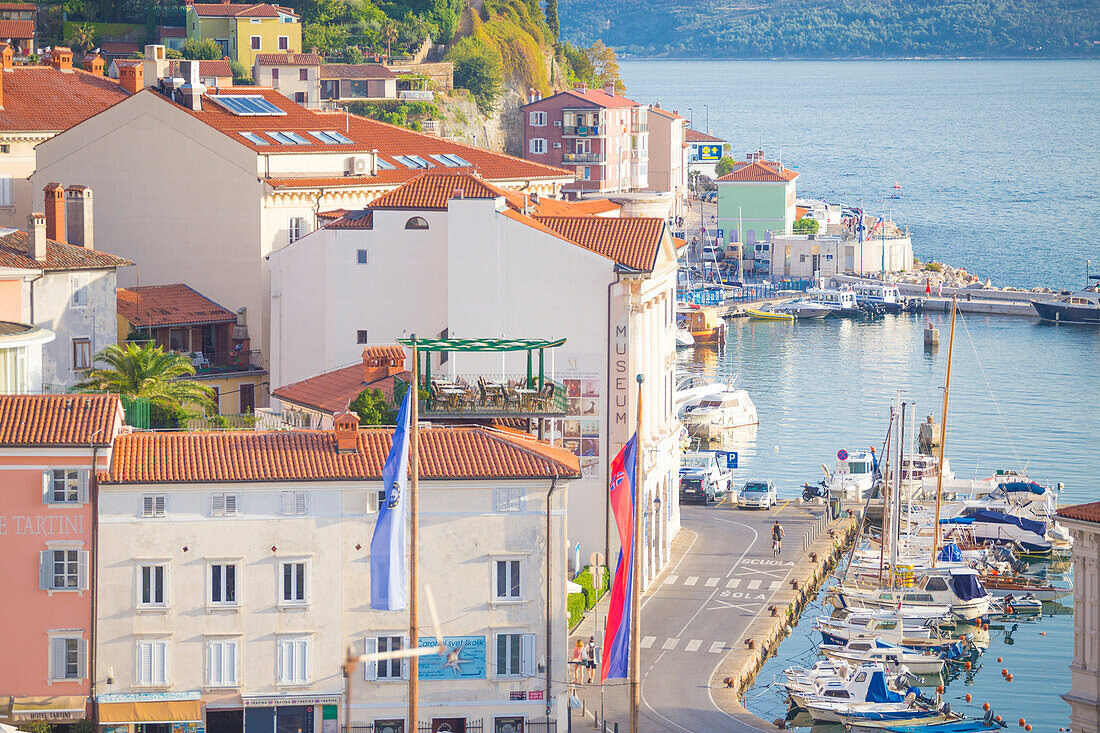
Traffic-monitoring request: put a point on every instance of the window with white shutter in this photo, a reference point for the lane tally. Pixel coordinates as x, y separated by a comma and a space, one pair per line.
537, 145
64, 486
294, 661
153, 586
507, 580
68, 657
153, 505
295, 502
221, 663
63, 570
5, 189
223, 505
527, 655
152, 663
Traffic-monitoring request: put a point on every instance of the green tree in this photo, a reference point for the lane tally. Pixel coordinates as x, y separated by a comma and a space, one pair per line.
806, 226
723, 166
605, 66
373, 408
83, 38
146, 370
206, 49
477, 69
240, 72
389, 35
552, 17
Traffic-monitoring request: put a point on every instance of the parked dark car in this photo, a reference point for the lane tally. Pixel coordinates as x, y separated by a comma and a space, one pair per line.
697, 488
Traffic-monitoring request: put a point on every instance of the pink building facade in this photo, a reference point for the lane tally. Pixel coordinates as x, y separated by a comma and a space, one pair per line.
51, 447
604, 138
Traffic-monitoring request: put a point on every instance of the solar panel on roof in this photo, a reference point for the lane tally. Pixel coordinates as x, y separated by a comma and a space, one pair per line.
246, 104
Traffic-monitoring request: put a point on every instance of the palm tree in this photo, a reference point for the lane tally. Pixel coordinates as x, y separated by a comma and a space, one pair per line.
148, 371
83, 39
389, 35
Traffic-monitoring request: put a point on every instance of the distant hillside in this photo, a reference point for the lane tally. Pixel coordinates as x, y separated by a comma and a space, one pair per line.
837, 28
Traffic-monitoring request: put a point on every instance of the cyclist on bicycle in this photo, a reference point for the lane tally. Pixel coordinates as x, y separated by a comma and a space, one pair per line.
777, 537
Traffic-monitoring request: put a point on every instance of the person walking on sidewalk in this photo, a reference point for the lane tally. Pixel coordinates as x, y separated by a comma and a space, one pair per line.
590, 658
577, 662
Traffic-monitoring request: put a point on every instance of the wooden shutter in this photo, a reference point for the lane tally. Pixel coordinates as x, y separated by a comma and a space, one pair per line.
160, 662
527, 655
82, 570
229, 668
45, 570
301, 502
288, 502
158, 505
57, 659
145, 663
370, 669
147, 506
230, 505
82, 658
82, 477
286, 660
214, 663
47, 486
217, 505
405, 644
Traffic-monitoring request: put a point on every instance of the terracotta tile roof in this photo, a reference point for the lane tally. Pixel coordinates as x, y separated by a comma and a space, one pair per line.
694, 136
171, 31
354, 220
594, 206
206, 68
759, 171
356, 71
332, 214
113, 48
632, 242
126, 63
435, 191
665, 113
367, 135
252, 456
169, 305
233, 10
1083, 512
17, 29
59, 256
297, 59
41, 98
331, 391
595, 97
393, 352
18, 6
58, 420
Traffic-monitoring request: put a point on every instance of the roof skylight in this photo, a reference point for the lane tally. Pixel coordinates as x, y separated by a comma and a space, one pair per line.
254, 138
246, 104
331, 137
289, 138
384, 164
450, 160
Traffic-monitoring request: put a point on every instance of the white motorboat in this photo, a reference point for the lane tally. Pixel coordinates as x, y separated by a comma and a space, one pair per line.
840, 631
829, 681
879, 295
960, 588
853, 476
692, 389
684, 338
839, 302
718, 413
857, 652
804, 309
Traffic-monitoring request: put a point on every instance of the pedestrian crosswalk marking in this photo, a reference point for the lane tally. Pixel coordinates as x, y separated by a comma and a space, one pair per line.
734, 583
691, 581
711, 582
774, 585
647, 641
670, 644
672, 579
693, 645
717, 647
753, 584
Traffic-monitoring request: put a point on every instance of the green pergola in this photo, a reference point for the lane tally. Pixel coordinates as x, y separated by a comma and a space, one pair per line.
484, 345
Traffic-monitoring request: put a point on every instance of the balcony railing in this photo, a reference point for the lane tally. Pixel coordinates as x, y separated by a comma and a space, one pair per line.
472, 395
581, 131
639, 127
216, 362
416, 94
582, 157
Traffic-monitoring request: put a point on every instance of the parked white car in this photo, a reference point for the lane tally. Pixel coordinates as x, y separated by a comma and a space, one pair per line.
757, 495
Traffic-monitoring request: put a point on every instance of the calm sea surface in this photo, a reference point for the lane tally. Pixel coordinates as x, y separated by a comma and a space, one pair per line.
997, 160
1023, 395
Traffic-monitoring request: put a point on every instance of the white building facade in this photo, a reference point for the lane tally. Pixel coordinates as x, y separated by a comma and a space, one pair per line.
240, 586
1083, 522
448, 255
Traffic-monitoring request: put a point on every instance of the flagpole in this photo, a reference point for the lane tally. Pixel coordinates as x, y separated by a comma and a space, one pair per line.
414, 531
635, 569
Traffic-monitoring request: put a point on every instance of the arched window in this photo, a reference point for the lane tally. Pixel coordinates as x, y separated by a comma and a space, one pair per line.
417, 222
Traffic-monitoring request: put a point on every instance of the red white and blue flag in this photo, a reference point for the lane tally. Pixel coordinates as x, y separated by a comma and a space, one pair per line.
878, 222
616, 640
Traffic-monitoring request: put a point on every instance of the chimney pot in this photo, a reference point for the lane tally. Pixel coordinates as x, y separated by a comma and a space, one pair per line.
609, 89
346, 427
61, 58
458, 193
36, 236
78, 216
132, 78
55, 212
580, 87
6, 56
94, 64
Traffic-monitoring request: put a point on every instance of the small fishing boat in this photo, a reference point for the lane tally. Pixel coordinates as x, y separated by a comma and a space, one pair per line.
829, 681
879, 295
857, 652
703, 323
1012, 606
1001, 586
684, 338
804, 309
1081, 307
969, 725
768, 315
840, 302
720, 412
853, 475
1005, 529
958, 587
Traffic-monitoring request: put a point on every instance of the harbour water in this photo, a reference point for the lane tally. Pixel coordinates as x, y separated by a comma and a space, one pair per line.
1021, 397
997, 160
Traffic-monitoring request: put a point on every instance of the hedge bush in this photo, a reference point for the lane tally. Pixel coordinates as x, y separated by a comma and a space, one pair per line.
575, 604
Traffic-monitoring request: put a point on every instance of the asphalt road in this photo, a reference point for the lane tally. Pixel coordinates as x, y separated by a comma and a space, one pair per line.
702, 608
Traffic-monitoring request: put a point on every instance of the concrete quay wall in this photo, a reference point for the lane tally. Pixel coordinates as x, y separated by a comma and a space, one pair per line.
741, 665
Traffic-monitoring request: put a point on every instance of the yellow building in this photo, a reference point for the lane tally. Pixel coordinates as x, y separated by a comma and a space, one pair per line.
244, 30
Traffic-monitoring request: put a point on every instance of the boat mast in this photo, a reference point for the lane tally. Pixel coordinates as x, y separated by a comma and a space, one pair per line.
885, 495
896, 514
943, 430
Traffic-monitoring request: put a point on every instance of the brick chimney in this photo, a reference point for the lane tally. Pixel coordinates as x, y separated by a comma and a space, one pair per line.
36, 236
78, 216
94, 64
380, 362
61, 58
7, 54
609, 89
55, 212
580, 87
132, 78
346, 425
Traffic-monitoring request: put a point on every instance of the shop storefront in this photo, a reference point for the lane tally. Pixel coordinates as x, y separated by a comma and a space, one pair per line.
291, 713
151, 712
56, 710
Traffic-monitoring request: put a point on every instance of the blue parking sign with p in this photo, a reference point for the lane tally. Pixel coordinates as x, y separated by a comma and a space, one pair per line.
731, 459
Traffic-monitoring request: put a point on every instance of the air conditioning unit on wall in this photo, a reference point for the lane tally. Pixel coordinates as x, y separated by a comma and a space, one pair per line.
358, 166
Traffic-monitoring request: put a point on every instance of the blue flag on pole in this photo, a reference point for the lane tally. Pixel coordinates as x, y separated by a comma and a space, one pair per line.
387, 546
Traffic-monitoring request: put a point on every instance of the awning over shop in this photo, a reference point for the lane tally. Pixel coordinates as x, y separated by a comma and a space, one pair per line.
50, 708
150, 708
